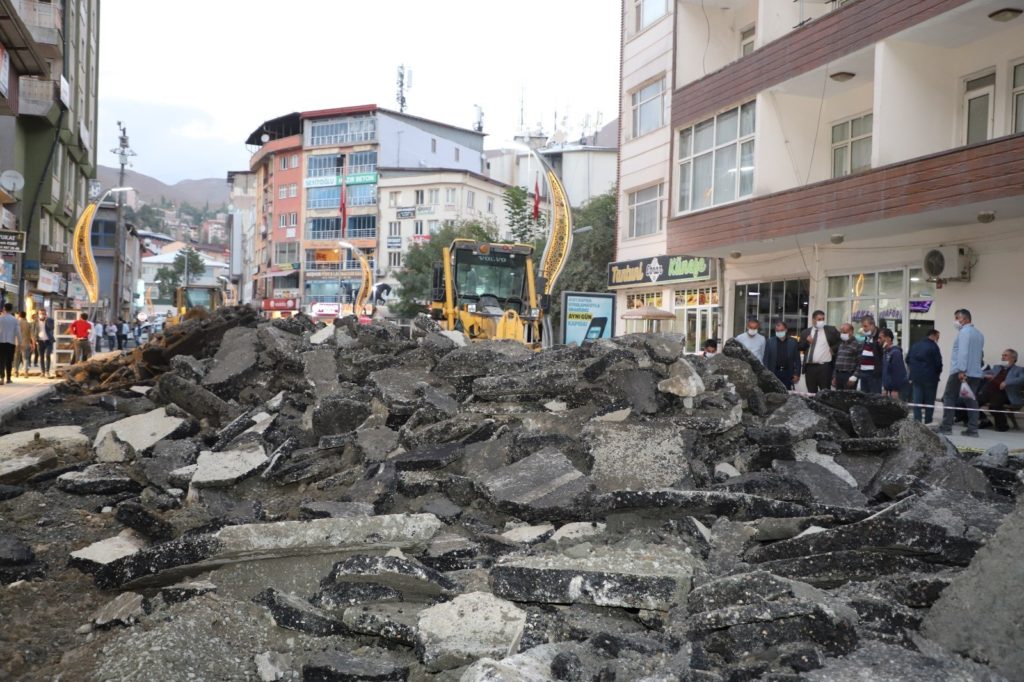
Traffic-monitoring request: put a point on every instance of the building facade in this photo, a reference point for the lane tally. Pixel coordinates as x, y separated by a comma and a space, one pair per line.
49, 55
825, 166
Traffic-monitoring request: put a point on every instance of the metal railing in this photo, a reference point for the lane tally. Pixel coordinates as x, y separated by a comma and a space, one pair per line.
335, 171
333, 235
338, 265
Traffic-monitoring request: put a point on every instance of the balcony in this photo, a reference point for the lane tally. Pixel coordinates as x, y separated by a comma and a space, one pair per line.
943, 189
36, 97
336, 171
45, 22
336, 265
335, 235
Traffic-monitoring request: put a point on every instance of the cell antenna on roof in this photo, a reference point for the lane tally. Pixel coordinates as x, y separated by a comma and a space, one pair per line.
478, 126
404, 83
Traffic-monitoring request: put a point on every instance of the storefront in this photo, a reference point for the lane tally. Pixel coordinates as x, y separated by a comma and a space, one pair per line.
768, 302
901, 299
686, 286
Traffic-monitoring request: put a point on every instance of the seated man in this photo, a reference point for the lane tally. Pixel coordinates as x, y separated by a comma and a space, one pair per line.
1003, 388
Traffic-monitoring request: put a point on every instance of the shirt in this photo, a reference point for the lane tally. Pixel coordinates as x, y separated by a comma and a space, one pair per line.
755, 344
81, 329
967, 351
9, 329
848, 356
821, 354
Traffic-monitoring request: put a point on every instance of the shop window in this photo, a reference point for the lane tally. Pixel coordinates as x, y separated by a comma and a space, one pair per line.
769, 302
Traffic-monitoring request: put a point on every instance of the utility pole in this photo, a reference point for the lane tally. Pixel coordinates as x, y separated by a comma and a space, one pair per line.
123, 152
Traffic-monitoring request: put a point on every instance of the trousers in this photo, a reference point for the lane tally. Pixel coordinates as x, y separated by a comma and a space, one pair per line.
951, 395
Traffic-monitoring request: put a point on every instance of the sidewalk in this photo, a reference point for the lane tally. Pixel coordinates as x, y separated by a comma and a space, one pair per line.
1013, 439
23, 392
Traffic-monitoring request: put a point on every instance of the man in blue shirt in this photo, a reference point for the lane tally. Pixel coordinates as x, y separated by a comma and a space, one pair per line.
965, 368
752, 339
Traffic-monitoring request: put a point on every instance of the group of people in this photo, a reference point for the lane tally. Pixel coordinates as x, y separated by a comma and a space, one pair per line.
24, 343
114, 332
869, 360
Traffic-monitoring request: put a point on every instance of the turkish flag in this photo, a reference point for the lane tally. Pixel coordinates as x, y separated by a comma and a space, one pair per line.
536, 199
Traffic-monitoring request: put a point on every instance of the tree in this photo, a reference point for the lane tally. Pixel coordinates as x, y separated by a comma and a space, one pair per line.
168, 280
195, 266
519, 212
587, 266
417, 275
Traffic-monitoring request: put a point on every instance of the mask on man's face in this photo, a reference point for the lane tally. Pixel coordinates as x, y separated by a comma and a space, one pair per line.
819, 324
752, 332
860, 337
843, 336
957, 325
780, 335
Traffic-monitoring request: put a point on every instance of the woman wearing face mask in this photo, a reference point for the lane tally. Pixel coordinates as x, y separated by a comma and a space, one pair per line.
894, 369
782, 356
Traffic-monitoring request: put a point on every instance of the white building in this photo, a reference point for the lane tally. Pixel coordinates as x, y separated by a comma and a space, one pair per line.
820, 165
155, 304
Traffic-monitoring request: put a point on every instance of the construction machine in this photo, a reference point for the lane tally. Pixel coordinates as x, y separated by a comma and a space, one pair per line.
491, 291
196, 302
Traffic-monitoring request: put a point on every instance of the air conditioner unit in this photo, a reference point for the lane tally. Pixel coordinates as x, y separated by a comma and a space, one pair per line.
950, 262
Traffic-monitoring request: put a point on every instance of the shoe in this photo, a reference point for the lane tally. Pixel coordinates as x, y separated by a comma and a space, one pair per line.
944, 430
1002, 429
972, 433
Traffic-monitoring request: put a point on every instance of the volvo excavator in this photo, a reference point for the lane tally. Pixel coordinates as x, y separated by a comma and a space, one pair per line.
491, 291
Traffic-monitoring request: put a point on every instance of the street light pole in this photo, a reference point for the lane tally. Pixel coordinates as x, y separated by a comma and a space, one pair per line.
123, 152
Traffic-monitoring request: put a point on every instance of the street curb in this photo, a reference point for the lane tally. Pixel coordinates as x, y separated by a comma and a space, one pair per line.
13, 409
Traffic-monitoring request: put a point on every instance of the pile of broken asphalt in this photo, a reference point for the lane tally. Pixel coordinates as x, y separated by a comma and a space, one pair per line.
294, 502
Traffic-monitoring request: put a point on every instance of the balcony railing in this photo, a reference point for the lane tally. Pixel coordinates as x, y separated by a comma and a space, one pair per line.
343, 138
335, 171
337, 265
36, 96
333, 235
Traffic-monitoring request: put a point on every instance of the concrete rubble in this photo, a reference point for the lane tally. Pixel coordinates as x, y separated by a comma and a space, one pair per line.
299, 502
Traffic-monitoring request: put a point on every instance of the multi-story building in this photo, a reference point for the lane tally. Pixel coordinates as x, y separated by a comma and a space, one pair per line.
820, 154
48, 85
302, 161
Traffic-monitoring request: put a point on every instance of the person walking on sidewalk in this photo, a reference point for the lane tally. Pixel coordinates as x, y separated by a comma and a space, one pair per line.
26, 346
42, 332
81, 329
924, 360
819, 344
965, 370
9, 331
122, 333
894, 369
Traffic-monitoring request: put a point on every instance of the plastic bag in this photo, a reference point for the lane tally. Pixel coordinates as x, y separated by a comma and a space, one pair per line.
965, 391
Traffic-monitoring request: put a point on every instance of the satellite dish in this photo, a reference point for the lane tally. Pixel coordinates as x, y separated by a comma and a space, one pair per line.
12, 180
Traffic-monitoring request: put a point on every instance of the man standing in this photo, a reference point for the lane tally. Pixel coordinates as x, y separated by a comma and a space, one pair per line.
23, 353
8, 341
894, 369
870, 369
965, 369
782, 356
752, 339
96, 330
122, 333
1003, 388
81, 329
924, 360
819, 344
42, 332
847, 359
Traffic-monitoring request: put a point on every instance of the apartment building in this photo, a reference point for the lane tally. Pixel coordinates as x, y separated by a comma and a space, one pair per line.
301, 162
857, 157
48, 85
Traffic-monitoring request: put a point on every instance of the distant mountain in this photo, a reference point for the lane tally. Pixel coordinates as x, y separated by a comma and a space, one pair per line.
195, 192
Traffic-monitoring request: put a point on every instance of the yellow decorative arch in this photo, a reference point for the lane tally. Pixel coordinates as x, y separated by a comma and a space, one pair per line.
81, 252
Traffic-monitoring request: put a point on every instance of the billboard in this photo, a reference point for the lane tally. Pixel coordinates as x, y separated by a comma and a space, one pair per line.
587, 316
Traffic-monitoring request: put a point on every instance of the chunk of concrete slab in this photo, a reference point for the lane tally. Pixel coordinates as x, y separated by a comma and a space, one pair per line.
64, 437
469, 627
219, 469
536, 486
142, 431
124, 609
637, 456
98, 479
105, 552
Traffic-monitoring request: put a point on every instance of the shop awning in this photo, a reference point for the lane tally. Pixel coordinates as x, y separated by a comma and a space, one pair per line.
648, 312
275, 273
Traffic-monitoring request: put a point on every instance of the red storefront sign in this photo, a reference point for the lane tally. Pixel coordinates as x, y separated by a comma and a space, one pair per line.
280, 304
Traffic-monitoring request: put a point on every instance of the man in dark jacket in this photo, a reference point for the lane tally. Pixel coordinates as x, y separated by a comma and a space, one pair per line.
820, 345
894, 370
869, 372
782, 356
924, 360
42, 332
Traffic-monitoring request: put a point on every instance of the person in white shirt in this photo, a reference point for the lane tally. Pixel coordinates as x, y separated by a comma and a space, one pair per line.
820, 344
96, 336
752, 339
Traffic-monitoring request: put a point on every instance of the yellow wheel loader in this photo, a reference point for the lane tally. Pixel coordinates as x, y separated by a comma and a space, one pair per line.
196, 302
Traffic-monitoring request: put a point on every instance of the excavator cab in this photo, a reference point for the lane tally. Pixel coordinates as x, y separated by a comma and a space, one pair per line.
196, 301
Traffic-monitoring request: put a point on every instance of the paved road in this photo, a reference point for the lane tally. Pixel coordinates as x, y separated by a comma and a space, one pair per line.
22, 392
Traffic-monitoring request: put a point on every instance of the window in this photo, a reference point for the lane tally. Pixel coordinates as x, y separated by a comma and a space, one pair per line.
323, 228
282, 220
361, 195
470, 198
395, 228
362, 162
490, 204
449, 196
433, 226
417, 227
323, 165
456, 153
293, 219
284, 163
649, 108
103, 234
769, 302
433, 144
851, 146
355, 129
1018, 98
716, 160
883, 295
293, 190
282, 192
323, 197
978, 95
647, 12
435, 197
395, 259
286, 252
747, 41
393, 199
295, 161
420, 197
645, 211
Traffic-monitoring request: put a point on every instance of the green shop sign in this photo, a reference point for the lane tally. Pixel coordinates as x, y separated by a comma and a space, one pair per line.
335, 180
659, 269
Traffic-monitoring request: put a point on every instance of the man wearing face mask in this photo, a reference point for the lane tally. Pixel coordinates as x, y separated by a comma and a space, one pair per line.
819, 344
847, 359
924, 360
782, 357
752, 339
869, 371
968, 349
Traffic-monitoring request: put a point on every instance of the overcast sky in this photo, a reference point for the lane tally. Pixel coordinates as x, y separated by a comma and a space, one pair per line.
192, 78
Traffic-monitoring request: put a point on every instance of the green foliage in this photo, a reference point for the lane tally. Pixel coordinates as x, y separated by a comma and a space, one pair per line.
190, 257
416, 277
170, 279
519, 212
587, 266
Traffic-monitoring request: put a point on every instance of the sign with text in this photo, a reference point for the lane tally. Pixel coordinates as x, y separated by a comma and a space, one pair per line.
280, 304
405, 213
394, 242
12, 242
659, 269
587, 316
334, 180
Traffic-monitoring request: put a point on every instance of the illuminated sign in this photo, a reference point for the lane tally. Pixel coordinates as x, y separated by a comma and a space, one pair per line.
81, 251
587, 316
657, 269
335, 180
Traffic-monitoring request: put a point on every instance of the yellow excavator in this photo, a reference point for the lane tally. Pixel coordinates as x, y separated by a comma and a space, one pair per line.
491, 291
196, 302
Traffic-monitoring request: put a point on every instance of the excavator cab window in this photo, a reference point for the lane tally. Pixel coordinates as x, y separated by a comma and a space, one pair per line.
497, 277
